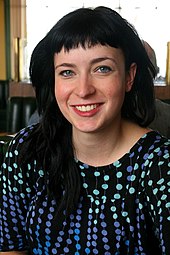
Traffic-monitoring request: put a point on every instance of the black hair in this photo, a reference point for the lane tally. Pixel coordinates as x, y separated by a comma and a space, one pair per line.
52, 139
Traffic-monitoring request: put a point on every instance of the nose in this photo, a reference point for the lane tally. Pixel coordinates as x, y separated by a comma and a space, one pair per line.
85, 86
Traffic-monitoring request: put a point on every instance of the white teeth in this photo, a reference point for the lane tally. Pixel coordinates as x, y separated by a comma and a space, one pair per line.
86, 108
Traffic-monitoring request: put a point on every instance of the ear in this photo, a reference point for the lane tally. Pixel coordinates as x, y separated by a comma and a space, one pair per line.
130, 76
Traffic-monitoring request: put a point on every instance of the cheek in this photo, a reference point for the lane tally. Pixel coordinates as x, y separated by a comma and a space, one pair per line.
116, 91
61, 93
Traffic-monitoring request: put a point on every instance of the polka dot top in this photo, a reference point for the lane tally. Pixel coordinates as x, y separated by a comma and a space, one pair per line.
123, 209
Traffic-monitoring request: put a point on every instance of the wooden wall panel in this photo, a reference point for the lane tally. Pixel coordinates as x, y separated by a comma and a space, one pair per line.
2, 42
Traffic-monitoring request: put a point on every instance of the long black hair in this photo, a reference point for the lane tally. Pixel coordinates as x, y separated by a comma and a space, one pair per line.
52, 139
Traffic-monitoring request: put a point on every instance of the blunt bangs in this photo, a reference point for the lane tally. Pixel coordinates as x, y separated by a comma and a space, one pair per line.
85, 28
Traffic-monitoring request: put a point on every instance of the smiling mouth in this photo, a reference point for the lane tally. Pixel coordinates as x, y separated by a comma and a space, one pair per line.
86, 108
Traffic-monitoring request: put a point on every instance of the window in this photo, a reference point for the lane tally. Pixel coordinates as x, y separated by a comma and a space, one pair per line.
150, 18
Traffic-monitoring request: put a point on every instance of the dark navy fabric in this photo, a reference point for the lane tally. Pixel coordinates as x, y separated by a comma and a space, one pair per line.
124, 207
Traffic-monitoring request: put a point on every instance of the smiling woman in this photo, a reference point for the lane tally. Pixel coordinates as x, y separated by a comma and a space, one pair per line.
90, 177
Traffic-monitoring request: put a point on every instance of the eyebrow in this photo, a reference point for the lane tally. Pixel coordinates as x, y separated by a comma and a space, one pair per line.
94, 61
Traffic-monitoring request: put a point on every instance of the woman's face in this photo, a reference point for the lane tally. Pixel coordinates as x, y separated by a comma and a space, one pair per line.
90, 86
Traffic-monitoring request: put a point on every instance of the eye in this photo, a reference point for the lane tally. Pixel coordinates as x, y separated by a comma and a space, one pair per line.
66, 73
103, 69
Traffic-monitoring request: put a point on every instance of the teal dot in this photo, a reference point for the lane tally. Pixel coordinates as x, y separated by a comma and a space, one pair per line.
104, 199
113, 208
166, 155
9, 169
29, 167
4, 191
117, 164
10, 154
41, 173
115, 216
158, 203
82, 174
119, 174
157, 149
160, 163
162, 187
97, 210
91, 199
150, 182
163, 197
167, 205
168, 183
15, 189
16, 152
90, 210
143, 174
96, 173
105, 186
97, 202
128, 220
131, 190
20, 182
160, 181
136, 166
147, 198
4, 165
160, 210
96, 192
140, 206
152, 207
119, 186
15, 177
28, 190
155, 191
4, 178
117, 196
85, 185
20, 175
146, 162
133, 177
150, 156
22, 195
106, 177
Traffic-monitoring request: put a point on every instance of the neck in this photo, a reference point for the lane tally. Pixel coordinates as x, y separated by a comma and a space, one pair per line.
97, 149
103, 148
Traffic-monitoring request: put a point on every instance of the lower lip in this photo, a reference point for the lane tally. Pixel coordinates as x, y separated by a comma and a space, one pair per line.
86, 114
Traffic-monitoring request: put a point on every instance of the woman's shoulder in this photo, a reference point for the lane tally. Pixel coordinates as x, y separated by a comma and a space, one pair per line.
21, 139
155, 146
25, 133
